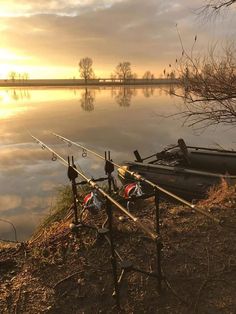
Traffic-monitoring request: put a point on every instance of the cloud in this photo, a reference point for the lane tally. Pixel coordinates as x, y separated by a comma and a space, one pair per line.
143, 33
15, 156
8, 202
62, 7
35, 202
48, 186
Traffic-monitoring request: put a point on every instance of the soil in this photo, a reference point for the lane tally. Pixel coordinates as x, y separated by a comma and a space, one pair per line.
57, 272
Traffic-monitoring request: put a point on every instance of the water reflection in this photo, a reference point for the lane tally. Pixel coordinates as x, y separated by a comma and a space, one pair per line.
19, 94
14, 94
87, 99
148, 91
172, 90
28, 177
124, 95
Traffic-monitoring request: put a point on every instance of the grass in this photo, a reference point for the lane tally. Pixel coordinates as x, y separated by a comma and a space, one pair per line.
67, 274
64, 199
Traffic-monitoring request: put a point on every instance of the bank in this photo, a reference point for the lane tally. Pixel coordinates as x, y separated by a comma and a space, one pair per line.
55, 272
80, 82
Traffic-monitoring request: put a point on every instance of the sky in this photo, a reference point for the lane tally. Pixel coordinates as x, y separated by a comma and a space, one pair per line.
47, 38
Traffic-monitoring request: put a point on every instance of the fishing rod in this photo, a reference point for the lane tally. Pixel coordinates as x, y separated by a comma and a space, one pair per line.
142, 179
94, 185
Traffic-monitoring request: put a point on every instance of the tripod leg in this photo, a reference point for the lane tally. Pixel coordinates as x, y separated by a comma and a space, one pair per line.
113, 255
158, 243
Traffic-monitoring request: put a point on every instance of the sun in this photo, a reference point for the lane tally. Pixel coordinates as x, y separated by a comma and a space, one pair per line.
5, 54
8, 55
12, 61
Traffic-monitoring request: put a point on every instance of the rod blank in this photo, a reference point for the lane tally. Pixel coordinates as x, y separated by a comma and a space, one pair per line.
146, 229
140, 178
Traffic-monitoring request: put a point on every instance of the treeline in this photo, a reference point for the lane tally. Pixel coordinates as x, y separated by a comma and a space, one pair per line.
18, 76
123, 71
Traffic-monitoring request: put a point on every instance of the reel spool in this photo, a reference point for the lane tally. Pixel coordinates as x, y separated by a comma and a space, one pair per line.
92, 202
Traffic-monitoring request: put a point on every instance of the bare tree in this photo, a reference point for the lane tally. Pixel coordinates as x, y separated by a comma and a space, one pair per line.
25, 76
215, 6
133, 76
12, 76
123, 70
209, 87
113, 76
172, 75
148, 75
86, 68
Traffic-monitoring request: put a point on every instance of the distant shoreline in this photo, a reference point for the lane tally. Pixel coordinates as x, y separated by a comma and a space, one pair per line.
79, 82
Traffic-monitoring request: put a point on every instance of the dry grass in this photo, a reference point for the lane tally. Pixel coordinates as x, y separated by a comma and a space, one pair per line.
218, 196
55, 272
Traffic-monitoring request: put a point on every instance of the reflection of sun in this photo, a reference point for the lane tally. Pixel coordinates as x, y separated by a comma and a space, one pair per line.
7, 111
4, 97
7, 108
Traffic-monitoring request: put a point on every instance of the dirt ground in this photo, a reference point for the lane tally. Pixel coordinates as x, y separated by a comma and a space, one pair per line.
57, 273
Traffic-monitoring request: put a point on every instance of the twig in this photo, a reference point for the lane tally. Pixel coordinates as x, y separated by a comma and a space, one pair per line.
208, 263
174, 292
14, 228
64, 279
172, 289
18, 299
203, 284
206, 281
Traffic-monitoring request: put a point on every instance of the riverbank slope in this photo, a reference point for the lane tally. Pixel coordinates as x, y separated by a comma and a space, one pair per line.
56, 273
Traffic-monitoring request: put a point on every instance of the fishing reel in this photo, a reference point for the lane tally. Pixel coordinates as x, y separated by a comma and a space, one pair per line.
93, 202
132, 191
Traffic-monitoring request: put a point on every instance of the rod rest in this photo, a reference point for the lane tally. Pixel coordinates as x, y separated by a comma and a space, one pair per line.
94, 180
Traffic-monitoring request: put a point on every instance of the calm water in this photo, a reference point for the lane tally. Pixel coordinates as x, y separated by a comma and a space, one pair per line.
120, 120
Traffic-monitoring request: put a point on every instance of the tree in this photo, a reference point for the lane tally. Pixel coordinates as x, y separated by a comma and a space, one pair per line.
85, 69
172, 75
123, 70
113, 76
25, 76
209, 87
133, 76
215, 6
12, 75
148, 75
209, 82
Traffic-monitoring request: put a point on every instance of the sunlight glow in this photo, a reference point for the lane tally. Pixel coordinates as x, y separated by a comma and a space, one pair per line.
39, 72
8, 55
7, 110
14, 8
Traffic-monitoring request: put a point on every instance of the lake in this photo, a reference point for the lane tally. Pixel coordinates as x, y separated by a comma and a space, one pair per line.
116, 119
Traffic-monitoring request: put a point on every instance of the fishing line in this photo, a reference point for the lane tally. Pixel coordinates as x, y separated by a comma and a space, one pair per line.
138, 177
94, 185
